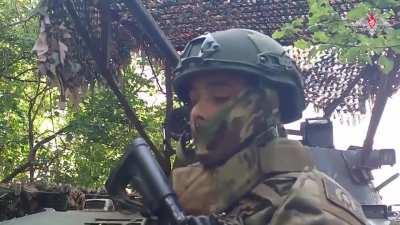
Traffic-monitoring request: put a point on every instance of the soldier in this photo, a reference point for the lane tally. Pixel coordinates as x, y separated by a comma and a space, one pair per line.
240, 87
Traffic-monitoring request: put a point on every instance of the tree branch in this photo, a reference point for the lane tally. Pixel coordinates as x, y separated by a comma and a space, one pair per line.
154, 73
16, 171
31, 119
16, 78
39, 106
23, 55
21, 80
33, 14
51, 137
380, 102
30, 162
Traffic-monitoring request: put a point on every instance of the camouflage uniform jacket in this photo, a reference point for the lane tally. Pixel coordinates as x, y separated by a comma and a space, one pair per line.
269, 183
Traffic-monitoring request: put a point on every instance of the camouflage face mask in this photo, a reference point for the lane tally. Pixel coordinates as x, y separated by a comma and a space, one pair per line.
241, 119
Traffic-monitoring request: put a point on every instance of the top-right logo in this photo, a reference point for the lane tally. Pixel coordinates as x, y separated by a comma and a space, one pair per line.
372, 24
371, 20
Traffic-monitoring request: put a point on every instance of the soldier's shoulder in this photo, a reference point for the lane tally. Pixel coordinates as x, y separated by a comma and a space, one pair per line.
318, 189
306, 198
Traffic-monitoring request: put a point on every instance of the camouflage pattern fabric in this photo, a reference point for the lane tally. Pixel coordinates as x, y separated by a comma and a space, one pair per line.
249, 176
76, 199
294, 199
17, 200
247, 190
314, 198
253, 111
204, 190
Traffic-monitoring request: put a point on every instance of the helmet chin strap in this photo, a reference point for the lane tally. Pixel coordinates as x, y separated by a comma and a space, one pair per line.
186, 151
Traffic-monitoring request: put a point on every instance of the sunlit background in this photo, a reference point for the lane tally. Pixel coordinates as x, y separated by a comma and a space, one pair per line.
387, 136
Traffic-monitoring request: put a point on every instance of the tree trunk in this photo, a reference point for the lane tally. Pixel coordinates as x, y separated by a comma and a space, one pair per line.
381, 98
169, 107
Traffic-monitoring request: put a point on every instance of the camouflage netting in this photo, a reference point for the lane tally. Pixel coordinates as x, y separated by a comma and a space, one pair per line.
65, 59
187, 19
17, 200
325, 79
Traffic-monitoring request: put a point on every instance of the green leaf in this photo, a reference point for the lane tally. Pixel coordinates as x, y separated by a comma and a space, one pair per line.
360, 55
320, 36
287, 30
343, 35
360, 11
302, 44
371, 44
365, 40
386, 64
393, 36
298, 22
388, 15
278, 35
396, 49
393, 40
379, 41
319, 11
385, 3
314, 50
313, 28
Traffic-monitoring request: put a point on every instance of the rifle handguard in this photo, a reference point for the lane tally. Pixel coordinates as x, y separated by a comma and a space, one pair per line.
139, 167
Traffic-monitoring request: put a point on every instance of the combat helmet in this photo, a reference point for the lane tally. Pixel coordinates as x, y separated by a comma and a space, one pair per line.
246, 52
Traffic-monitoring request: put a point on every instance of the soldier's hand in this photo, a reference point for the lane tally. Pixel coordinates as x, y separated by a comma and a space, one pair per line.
202, 220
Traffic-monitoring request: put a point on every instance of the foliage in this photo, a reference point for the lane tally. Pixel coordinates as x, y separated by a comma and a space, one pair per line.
101, 133
349, 33
366, 37
75, 145
16, 61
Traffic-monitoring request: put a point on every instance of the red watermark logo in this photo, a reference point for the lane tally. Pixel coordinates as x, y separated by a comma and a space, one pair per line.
371, 24
371, 20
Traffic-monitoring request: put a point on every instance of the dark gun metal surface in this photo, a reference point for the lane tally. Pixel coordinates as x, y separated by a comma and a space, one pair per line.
139, 167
